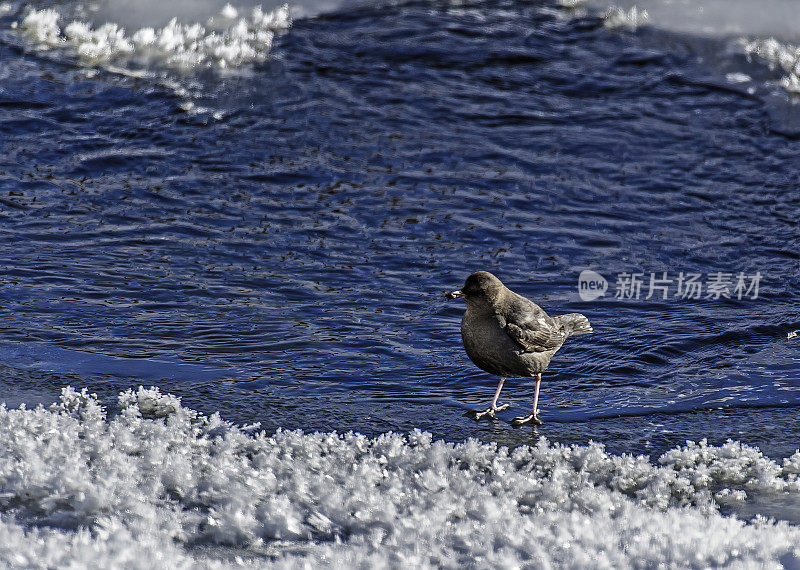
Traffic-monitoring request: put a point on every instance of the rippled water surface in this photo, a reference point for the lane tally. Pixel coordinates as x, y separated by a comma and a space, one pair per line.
278, 253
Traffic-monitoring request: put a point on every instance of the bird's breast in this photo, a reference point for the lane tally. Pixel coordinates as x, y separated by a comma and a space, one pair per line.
486, 342
491, 349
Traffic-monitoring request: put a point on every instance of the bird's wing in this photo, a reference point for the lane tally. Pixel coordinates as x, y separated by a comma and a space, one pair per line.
535, 331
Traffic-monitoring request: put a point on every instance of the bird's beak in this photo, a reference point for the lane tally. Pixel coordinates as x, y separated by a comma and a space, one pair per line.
454, 295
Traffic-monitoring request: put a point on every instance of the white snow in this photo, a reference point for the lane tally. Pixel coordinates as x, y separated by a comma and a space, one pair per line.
160, 485
783, 55
177, 45
616, 18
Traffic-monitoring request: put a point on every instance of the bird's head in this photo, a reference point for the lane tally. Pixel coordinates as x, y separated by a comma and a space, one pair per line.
480, 289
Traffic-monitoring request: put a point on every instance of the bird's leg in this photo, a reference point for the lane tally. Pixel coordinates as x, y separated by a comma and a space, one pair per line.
493, 407
536, 397
534, 415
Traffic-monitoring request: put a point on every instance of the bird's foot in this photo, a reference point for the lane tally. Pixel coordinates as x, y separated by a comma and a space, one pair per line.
489, 412
530, 418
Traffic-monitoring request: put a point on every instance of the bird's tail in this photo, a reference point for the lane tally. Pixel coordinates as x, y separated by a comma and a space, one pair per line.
575, 323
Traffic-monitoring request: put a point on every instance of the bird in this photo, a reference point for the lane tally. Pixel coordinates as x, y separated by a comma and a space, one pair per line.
510, 336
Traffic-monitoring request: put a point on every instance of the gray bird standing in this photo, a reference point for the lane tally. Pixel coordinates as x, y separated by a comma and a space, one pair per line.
510, 336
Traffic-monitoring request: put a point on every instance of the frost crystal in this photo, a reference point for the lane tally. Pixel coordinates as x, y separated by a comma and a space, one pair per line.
162, 482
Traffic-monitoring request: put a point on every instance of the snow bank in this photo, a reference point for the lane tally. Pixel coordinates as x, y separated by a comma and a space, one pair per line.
160, 485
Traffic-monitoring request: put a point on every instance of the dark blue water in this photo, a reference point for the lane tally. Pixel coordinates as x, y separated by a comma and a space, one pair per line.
281, 257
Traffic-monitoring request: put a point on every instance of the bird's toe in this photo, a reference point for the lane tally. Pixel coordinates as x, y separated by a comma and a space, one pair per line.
488, 413
484, 414
529, 419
